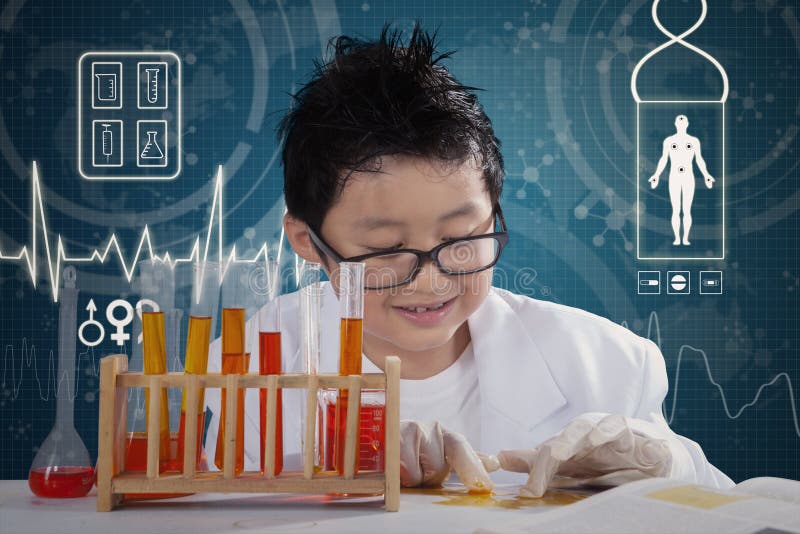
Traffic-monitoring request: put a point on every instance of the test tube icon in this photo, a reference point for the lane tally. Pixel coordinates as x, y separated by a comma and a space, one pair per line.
152, 85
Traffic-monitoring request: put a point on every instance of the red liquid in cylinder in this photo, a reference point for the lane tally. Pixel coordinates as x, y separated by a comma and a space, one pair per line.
60, 482
372, 430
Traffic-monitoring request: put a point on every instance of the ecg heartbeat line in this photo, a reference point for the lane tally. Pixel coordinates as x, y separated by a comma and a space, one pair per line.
28, 255
654, 328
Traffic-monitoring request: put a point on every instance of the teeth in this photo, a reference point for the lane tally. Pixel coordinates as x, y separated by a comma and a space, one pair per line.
420, 309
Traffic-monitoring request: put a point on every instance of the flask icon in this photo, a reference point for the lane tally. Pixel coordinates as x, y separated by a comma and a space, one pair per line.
152, 151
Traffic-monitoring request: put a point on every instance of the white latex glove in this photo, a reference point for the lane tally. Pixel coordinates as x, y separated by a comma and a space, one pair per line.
428, 451
587, 452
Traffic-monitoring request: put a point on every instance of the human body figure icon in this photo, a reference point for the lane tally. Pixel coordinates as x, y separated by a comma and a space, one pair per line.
681, 149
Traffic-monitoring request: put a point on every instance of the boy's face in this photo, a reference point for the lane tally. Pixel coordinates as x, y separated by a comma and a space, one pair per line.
413, 203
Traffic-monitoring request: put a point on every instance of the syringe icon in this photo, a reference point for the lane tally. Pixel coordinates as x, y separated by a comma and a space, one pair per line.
152, 85
108, 141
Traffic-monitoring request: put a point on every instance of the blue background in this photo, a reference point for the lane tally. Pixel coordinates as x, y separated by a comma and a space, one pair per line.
556, 76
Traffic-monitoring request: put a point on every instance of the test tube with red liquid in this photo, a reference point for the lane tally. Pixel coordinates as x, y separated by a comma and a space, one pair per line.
269, 355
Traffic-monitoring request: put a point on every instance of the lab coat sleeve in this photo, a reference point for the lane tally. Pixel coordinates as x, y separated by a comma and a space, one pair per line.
689, 463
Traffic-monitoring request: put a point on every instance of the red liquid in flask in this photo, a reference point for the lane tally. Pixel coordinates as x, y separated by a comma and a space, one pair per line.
60, 482
62, 467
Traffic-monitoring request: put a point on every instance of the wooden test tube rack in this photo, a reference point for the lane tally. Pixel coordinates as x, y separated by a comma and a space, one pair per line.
113, 481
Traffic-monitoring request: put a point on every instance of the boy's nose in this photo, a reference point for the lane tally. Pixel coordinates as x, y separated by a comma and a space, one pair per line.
430, 279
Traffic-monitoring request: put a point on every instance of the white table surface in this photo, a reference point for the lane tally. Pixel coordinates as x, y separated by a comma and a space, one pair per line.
446, 510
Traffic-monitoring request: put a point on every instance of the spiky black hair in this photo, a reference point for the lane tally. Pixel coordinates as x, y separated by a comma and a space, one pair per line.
376, 98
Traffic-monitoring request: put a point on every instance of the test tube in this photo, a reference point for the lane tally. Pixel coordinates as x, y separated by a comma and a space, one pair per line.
236, 295
203, 308
309, 313
155, 362
232, 364
351, 313
269, 354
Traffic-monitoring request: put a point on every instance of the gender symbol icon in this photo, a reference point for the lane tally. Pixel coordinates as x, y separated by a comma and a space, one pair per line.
681, 148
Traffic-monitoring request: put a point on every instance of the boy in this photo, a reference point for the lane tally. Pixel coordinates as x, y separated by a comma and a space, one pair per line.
390, 161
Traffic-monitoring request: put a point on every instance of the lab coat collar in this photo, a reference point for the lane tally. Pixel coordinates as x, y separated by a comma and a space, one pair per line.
513, 375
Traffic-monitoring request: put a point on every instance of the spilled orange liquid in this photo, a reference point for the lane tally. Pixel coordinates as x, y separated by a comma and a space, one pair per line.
502, 497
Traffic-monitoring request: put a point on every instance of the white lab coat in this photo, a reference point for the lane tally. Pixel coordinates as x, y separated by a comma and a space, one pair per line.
540, 365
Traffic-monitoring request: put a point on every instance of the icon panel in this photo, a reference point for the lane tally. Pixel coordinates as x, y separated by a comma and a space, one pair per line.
129, 115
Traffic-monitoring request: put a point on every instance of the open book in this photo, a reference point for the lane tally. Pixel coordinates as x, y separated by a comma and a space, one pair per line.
655, 505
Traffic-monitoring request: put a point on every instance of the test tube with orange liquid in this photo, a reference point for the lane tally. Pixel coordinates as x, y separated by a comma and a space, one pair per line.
205, 293
234, 361
351, 313
154, 349
269, 356
241, 290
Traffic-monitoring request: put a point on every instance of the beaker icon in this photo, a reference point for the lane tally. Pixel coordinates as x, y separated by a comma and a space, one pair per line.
151, 148
106, 87
62, 467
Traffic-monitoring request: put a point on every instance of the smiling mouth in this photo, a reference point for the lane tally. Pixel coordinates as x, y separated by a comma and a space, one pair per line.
422, 309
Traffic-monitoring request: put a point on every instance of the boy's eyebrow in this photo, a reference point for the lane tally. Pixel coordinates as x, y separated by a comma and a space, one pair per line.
372, 223
467, 209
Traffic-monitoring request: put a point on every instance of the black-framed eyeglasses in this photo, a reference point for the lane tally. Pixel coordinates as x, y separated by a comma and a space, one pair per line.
392, 268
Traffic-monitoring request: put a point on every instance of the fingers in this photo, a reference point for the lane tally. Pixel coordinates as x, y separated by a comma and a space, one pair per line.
517, 460
466, 462
422, 459
410, 469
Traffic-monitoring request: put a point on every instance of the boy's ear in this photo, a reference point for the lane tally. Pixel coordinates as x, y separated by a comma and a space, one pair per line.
297, 234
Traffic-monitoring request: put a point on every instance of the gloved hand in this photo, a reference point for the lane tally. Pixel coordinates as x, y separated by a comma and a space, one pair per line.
428, 451
588, 452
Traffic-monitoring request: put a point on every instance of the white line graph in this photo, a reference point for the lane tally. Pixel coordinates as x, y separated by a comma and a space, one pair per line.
654, 328
56, 260
86, 366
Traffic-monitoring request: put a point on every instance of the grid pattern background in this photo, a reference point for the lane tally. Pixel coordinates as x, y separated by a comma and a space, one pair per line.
555, 75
